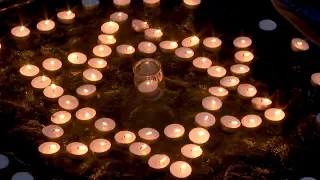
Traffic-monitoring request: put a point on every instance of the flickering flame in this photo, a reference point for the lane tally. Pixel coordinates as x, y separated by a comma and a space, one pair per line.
104, 123
213, 102
143, 146
68, 13
266, 100
101, 48
52, 62
129, 48
250, 89
61, 116
86, 114
234, 122
203, 60
201, 133
53, 86
194, 38
148, 83
29, 67
173, 43
43, 78
299, 43
149, 44
127, 135
119, 14
206, 118
183, 166
241, 68
82, 147
56, 130
46, 22
243, 41
247, 54
93, 76
232, 80
74, 56
85, 90
145, 23
163, 160
68, 102
109, 37
52, 146
277, 112
252, 120
177, 130
157, 31
22, 28
189, 52
196, 148
214, 40
148, 133
218, 69
102, 143
220, 89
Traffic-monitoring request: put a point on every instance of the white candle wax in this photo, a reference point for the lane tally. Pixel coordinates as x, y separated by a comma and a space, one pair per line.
274, 115
260, 103
140, 149
49, 148
251, 121
315, 79
239, 69
121, 3
77, 58
246, 90
298, 44
20, 32
191, 42
29, 70
125, 50
216, 71
77, 148
110, 27
230, 123
202, 63
242, 42
211, 103
184, 54
148, 134
61, 117
106, 39
52, 131
191, 4
153, 34
66, 17
105, 124
40, 82
125, 137
191, 151
102, 51
139, 26
159, 161
174, 131
212, 43
90, 4
119, 17
46, 25
4, 161
147, 48
180, 169
52, 64
148, 88
243, 56
22, 176
151, 3
85, 114
229, 82
199, 135
97, 63
168, 46
86, 90
53, 91
100, 145
68, 102
92, 75
219, 92
205, 119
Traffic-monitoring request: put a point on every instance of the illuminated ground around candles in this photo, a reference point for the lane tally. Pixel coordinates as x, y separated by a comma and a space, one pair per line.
286, 151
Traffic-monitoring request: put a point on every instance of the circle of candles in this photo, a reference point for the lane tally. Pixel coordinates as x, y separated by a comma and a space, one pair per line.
243, 56
125, 137
97, 63
219, 92
159, 161
29, 70
105, 124
246, 90
216, 71
22, 176
184, 54
212, 43
140, 149
52, 131
298, 44
121, 3
53, 91
147, 48
49, 148
106, 39
230, 123
77, 58
191, 4
211, 103
125, 50
180, 169
92, 75
46, 26
61, 117
229, 82
149, 88
40, 82
251, 121
77, 148
242, 42
110, 27
239, 69
4, 161
100, 145
66, 17
151, 3
191, 42
102, 50
199, 135
85, 114
205, 119
153, 34
86, 91
315, 79
148, 134
260, 103
202, 63
168, 46
68, 102
267, 25
119, 17
90, 4
139, 26
20, 32
274, 115
52, 64
191, 151
174, 131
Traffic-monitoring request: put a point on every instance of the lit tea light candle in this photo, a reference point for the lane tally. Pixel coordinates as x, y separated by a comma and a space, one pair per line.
119, 17
68, 102
230, 123
199, 135
100, 146
239, 69
52, 64
274, 115
77, 58
191, 151
106, 39
219, 92
191, 42
180, 169
20, 32
102, 51
139, 26
22, 176
92, 75
149, 88
86, 91
315, 79
61, 117
174, 131
121, 3
49, 148
77, 149
202, 63
125, 50
46, 26
97, 63
251, 121
168, 46
229, 82
29, 70
243, 57
159, 161
211, 103
298, 44
52, 131
184, 54
140, 149
105, 124
216, 71
153, 34
110, 27
191, 4
4, 161
125, 137
260, 103
53, 91
90, 4
242, 42
246, 91
151, 3
148, 134
205, 119
85, 114
40, 82
147, 48
66, 17
212, 43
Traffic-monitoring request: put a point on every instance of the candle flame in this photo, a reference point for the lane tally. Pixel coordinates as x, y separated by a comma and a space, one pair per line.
143, 146
233, 80
43, 78
109, 37
68, 102
85, 90
299, 43
194, 38
148, 83
201, 133
127, 135
145, 23
61, 116
101, 48
28, 67
252, 120
220, 89
149, 44
148, 133
46, 22
52, 146
22, 28
129, 48
214, 40
56, 130
173, 43
213, 102
266, 100
234, 122
218, 69
93, 76
247, 54
157, 31
196, 148
163, 160
119, 14
206, 118
53, 86
250, 89
68, 13
104, 123
243, 41
277, 112
189, 52
177, 130
203, 60
99, 62
52, 62
74, 56
183, 166
102, 143
241, 68
82, 147
87, 114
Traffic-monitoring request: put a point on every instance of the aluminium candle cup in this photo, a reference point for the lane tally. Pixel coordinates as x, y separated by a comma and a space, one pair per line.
77, 150
87, 91
274, 116
124, 138
205, 120
202, 64
148, 135
61, 118
147, 49
230, 124
151, 3
139, 150
158, 162
251, 122
212, 44
106, 39
76, 59
29, 71
90, 5
191, 42
315, 79
219, 92
53, 92
212, 104
68, 102
153, 34
230, 82
98, 63
100, 147
110, 28
239, 70
183, 54
39, 83
20, 33
86, 115
246, 91
49, 149
174, 132
105, 125
46, 26
260, 103
298, 45
66, 17
180, 169
119, 17
52, 66
191, 4
216, 72
121, 4
92, 76
244, 57
139, 26
168, 46
242, 42
125, 51
52, 132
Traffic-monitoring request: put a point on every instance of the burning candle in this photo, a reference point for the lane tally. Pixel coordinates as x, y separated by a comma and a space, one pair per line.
174, 131
92, 75
260, 103
52, 64
242, 42
121, 3
105, 124
246, 91
125, 137
229, 82
180, 169
46, 26
100, 146
184, 54
102, 51
125, 50
53, 91
140, 149
230, 123
147, 48
153, 34
97, 63
191, 151
159, 161
49, 148
191, 4
22, 176
40, 82
106, 39
151, 3
191, 42
243, 57
216, 71
205, 119
90, 4
251, 121
274, 115
52, 131
239, 69
29, 70
86, 91
199, 135
77, 58
66, 17
212, 43
149, 88
211, 103
298, 44
85, 114
4, 161
148, 134
20, 32
68, 102
77, 149
139, 26
202, 63
110, 27
61, 117
219, 92
168, 46
119, 17
315, 79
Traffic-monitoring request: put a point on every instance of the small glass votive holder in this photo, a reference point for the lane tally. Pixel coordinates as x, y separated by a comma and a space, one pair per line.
148, 78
